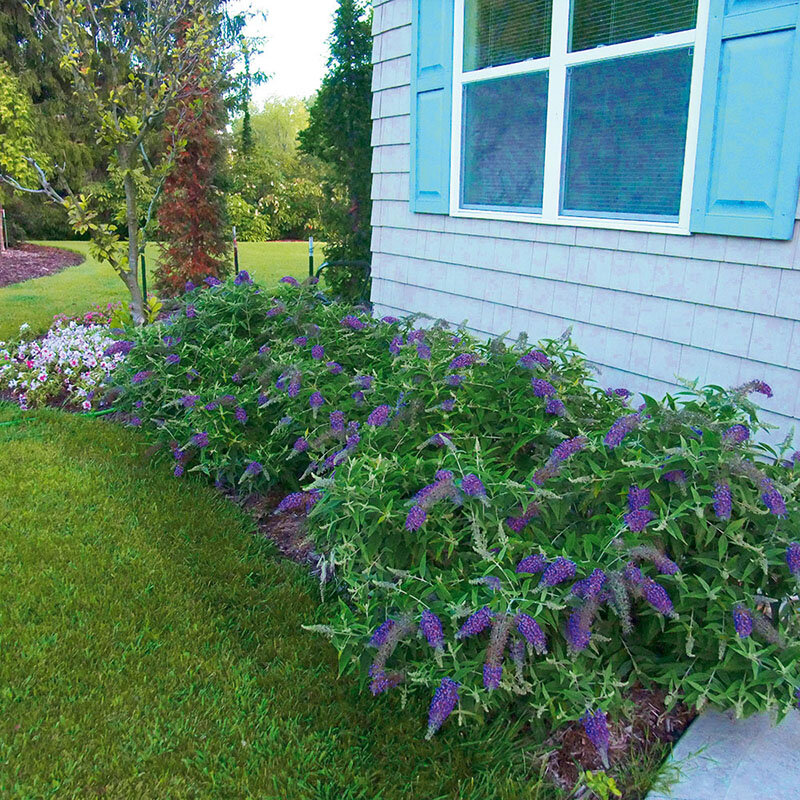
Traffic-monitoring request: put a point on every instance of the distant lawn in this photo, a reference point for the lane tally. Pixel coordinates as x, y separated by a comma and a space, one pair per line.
75, 289
151, 648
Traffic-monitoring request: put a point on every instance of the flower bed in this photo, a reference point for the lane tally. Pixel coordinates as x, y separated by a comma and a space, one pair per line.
67, 365
503, 534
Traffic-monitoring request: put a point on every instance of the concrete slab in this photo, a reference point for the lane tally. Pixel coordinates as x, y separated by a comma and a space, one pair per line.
722, 758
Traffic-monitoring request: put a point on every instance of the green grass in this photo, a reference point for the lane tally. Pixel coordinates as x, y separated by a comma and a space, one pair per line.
74, 290
151, 648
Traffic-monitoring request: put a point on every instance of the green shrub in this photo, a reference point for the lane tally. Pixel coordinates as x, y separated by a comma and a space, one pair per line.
586, 545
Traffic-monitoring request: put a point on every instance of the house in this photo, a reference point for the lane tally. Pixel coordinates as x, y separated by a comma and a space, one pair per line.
629, 168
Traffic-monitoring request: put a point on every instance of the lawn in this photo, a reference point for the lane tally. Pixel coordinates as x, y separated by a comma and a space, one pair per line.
77, 288
152, 648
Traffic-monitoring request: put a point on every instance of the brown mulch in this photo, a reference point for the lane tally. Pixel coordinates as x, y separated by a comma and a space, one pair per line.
643, 739
34, 261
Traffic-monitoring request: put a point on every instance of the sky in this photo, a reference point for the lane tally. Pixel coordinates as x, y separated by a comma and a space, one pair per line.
295, 50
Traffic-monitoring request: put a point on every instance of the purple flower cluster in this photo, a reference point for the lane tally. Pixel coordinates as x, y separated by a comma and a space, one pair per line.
633, 575
381, 632
621, 428
363, 381
757, 386
492, 581
379, 416
521, 521
139, 377
333, 367
773, 499
337, 421
440, 440
591, 586
211, 281
596, 727
793, 558
534, 359
722, 501
200, 439
674, 476
423, 351
242, 278
389, 320
120, 347
254, 468
475, 623
578, 633
568, 448
290, 280
240, 414
472, 486
299, 501
416, 518
532, 632
562, 569
639, 519
172, 359
395, 345
445, 699
431, 627
352, 322
736, 434
300, 341
742, 621
555, 407
316, 400
318, 352
464, 360
454, 380
638, 498
542, 388
533, 564
657, 596
300, 445
448, 405
189, 400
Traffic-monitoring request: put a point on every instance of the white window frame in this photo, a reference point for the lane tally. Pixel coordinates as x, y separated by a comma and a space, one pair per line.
557, 63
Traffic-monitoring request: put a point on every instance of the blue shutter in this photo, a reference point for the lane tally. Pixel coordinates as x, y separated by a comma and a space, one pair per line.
748, 158
431, 104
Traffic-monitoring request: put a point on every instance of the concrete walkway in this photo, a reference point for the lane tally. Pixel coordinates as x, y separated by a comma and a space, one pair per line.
722, 758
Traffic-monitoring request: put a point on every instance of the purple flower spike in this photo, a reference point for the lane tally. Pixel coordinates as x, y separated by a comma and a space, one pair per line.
476, 623
431, 627
578, 635
139, 377
380, 416
793, 558
240, 414
562, 569
532, 565
416, 518
555, 407
492, 581
189, 400
395, 345
621, 428
363, 381
290, 280
381, 632
454, 380
596, 727
534, 359
316, 400
722, 501
242, 277
464, 360
472, 485
530, 629
337, 421
773, 499
638, 520
638, 498
318, 352
212, 281
633, 575
736, 434
448, 405
300, 445
301, 341
675, 476
591, 586
657, 596
178, 471
254, 468
445, 699
443, 475
389, 320
352, 322
742, 621
200, 439
423, 351
541, 388
333, 367
492, 675
568, 448
358, 397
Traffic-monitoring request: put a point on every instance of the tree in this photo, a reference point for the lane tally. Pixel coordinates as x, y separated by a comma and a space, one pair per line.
130, 62
339, 134
16, 133
192, 209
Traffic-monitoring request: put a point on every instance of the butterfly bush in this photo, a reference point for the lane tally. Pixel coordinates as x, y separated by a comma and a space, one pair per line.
67, 365
482, 551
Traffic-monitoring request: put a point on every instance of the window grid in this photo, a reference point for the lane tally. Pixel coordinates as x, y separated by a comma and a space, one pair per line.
557, 63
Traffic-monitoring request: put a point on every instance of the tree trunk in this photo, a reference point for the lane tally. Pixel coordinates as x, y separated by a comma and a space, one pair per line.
2, 231
130, 277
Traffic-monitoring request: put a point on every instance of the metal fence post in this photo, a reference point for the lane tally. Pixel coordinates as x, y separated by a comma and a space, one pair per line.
310, 256
144, 277
235, 251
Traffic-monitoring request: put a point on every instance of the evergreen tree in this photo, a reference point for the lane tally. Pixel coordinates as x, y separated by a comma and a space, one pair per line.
339, 134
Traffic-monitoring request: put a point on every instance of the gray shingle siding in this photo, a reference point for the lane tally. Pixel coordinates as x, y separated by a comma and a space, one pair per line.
644, 307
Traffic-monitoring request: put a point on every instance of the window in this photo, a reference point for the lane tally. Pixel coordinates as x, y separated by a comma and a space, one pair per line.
577, 111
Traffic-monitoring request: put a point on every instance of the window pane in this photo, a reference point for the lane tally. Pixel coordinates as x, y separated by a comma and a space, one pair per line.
626, 135
505, 31
597, 22
503, 152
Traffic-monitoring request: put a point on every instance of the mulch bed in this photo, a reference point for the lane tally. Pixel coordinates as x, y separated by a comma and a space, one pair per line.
34, 261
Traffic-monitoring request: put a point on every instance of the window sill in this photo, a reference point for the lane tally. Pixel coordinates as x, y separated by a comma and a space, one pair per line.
641, 226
